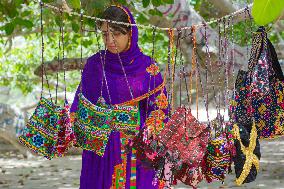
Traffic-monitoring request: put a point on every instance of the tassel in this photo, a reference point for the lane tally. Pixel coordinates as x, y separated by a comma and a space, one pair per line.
133, 170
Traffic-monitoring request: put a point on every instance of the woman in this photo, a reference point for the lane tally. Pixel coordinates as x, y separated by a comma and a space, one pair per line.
121, 74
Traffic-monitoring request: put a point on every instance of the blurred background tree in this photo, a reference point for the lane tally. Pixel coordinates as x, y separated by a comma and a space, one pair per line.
20, 44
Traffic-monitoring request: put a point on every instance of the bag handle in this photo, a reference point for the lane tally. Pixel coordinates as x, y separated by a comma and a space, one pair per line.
274, 60
260, 43
43, 71
61, 61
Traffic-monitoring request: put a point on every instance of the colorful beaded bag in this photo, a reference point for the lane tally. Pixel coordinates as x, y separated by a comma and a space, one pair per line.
92, 121
41, 132
183, 133
126, 119
248, 154
92, 125
259, 95
65, 134
218, 158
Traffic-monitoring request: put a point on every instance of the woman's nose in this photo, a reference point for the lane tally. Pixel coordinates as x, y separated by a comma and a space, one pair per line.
110, 38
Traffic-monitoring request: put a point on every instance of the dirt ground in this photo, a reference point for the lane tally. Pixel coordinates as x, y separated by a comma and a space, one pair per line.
63, 173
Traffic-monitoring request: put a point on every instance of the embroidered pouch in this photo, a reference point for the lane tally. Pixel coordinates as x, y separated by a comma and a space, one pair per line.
260, 93
65, 134
189, 175
92, 125
185, 135
248, 154
126, 118
41, 132
218, 157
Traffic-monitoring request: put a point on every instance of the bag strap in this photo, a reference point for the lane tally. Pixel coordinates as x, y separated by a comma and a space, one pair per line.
262, 43
257, 46
43, 67
274, 60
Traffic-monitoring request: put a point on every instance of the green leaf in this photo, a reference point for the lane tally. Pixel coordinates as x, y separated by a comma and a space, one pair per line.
58, 20
141, 18
75, 27
26, 13
266, 11
23, 22
155, 12
156, 3
145, 3
159, 13
18, 2
75, 4
11, 12
9, 28
123, 2
169, 1
47, 1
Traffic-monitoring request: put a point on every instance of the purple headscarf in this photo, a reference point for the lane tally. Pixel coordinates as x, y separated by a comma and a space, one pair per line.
97, 171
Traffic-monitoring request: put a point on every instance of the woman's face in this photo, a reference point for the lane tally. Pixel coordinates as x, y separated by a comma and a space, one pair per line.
115, 41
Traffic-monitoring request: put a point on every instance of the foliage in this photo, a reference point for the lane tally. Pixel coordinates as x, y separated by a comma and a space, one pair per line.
20, 37
266, 11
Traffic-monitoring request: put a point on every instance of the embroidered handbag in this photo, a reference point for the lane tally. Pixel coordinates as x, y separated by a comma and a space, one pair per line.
260, 93
189, 175
92, 125
41, 131
149, 151
218, 158
240, 108
186, 136
65, 134
248, 154
126, 118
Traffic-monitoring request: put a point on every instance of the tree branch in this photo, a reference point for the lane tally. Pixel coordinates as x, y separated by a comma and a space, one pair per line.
224, 6
54, 66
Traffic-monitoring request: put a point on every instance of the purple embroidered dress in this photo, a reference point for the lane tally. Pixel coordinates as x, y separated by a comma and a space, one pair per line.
97, 171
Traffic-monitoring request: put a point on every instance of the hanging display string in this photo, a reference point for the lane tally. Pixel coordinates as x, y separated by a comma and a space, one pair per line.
171, 41
184, 75
59, 61
236, 13
62, 61
122, 67
180, 68
198, 75
155, 107
103, 62
233, 56
152, 59
225, 65
220, 68
169, 71
206, 79
174, 59
81, 50
42, 53
194, 68
211, 67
